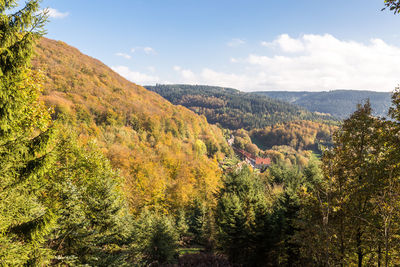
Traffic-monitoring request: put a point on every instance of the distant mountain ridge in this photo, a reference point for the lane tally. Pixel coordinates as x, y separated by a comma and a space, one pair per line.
234, 109
338, 103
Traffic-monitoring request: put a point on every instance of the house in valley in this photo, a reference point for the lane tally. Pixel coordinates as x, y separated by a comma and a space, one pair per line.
254, 161
262, 163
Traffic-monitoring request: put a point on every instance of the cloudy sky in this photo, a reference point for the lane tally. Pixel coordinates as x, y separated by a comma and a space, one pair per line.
245, 44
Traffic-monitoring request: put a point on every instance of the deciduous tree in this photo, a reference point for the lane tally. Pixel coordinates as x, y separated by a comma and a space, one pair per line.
392, 5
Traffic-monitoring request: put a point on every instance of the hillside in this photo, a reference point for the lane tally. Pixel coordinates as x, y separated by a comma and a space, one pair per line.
338, 103
167, 154
232, 108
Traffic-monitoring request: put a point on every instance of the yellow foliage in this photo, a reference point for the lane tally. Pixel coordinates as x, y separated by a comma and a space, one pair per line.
159, 148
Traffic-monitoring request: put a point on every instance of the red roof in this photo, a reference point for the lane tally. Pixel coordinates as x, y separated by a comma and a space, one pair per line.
257, 160
263, 161
246, 154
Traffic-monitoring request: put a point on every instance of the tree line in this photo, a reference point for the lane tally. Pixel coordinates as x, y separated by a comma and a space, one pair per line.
338, 103
340, 211
62, 203
233, 109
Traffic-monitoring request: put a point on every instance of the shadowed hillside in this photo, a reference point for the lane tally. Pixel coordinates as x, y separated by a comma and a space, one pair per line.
232, 108
167, 154
338, 103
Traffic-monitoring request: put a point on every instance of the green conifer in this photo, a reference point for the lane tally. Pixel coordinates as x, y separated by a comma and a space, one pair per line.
25, 218
245, 219
93, 225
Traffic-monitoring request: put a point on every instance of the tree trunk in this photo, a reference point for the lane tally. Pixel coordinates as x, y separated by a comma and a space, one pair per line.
360, 258
386, 244
379, 255
359, 249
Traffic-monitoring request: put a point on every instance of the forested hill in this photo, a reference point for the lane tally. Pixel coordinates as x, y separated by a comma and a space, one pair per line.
338, 103
232, 108
167, 154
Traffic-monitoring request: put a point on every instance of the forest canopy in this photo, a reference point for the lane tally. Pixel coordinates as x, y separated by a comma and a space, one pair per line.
97, 171
233, 109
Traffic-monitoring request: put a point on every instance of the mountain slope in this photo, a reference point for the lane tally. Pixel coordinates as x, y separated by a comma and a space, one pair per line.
167, 154
338, 103
232, 108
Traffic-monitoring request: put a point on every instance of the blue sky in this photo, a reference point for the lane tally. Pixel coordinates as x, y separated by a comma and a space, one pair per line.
245, 44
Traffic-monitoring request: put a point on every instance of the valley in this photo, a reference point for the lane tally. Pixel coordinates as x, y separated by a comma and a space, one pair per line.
98, 170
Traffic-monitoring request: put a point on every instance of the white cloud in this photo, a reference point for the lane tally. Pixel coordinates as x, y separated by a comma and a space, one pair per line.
135, 76
55, 14
236, 42
286, 44
123, 55
147, 50
324, 62
212, 77
311, 62
151, 68
186, 75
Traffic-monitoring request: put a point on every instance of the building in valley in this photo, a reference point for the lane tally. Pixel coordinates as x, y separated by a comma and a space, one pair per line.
254, 161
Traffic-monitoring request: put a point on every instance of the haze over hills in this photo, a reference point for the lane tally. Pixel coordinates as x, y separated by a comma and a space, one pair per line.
232, 108
338, 103
166, 153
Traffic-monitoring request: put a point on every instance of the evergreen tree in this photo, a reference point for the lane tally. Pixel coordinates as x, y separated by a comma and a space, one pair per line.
155, 239
246, 220
93, 225
25, 141
290, 179
182, 228
197, 221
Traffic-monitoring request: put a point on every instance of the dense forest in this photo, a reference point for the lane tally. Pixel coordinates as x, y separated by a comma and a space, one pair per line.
165, 152
284, 136
89, 158
293, 143
233, 109
97, 171
301, 135
338, 103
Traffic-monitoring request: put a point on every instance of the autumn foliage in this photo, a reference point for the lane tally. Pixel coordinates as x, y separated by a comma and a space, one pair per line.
167, 154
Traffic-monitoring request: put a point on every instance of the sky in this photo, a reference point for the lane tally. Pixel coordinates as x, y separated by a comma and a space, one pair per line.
251, 45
